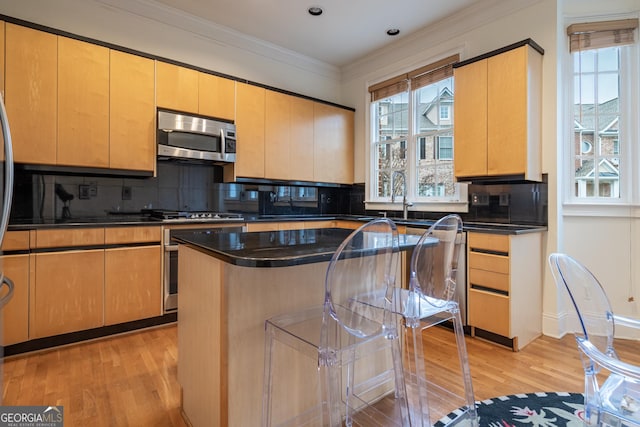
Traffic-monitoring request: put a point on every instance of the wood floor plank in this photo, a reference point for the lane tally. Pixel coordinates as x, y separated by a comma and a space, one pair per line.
131, 380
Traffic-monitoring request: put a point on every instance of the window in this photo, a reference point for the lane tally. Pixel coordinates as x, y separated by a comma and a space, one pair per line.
412, 133
601, 55
445, 148
444, 112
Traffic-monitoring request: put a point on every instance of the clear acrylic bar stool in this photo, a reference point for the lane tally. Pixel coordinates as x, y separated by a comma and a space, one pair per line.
431, 301
340, 363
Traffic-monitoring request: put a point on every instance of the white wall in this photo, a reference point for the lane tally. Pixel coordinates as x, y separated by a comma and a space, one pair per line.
478, 33
177, 36
605, 239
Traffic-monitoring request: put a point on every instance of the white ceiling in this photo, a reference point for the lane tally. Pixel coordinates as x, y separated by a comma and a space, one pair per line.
346, 31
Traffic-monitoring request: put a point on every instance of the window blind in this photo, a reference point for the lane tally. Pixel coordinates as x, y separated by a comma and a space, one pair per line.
420, 77
595, 35
389, 87
432, 73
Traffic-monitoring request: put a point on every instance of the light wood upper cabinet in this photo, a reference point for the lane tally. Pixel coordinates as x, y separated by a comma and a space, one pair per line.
277, 155
132, 111
31, 93
514, 119
470, 130
301, 140
184, 89
498, 115
288, 137
333, 144
250, 130
83, 104
176, 87
216, 96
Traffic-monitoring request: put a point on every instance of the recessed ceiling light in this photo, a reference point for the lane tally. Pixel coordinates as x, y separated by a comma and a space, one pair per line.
393, 32
315, 10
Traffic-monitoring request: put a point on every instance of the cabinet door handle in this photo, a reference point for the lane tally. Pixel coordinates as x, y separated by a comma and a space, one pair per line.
5, 299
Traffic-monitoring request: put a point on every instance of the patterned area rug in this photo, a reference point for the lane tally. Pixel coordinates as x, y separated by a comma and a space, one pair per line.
531, 410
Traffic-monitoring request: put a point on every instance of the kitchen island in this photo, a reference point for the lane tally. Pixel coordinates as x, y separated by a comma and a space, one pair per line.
230, 283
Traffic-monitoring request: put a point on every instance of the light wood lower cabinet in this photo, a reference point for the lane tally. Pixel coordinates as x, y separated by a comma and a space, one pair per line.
16, 266
15, 315
505, 286
132, 284
68, 292
75, 289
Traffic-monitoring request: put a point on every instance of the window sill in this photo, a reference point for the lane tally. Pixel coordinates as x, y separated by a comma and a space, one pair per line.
621, 210
457, 207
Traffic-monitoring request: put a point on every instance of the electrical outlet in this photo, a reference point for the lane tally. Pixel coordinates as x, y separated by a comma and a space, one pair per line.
504, 199
480, 199
93, 189
83, 192
126, 192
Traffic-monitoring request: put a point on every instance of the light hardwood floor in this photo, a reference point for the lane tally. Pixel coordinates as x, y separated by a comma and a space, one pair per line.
130, 380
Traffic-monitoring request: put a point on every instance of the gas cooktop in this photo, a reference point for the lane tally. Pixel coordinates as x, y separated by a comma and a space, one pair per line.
194, 216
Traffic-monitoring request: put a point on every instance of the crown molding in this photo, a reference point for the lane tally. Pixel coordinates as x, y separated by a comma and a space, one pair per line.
220, 35
477, 15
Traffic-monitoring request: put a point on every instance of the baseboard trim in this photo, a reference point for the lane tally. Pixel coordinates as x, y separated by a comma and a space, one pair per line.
90, 334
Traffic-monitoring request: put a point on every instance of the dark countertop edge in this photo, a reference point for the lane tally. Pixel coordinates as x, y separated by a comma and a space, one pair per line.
269, 262
499, 228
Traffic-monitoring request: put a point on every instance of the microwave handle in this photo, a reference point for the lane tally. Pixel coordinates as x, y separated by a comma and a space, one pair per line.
222, 142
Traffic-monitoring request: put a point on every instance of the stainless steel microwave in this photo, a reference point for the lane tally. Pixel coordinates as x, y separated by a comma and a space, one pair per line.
191, 137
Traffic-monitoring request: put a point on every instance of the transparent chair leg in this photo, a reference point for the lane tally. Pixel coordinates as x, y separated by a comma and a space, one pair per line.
266, 394
464, 366
401, 392
420, 404
350, 385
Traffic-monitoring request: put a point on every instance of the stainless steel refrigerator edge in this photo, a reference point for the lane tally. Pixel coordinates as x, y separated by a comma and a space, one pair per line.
6, 175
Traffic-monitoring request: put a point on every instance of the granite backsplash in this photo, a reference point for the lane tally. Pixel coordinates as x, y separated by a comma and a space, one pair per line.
192, 187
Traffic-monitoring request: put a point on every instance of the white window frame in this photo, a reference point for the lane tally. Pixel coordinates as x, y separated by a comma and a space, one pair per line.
458, 203
629, 181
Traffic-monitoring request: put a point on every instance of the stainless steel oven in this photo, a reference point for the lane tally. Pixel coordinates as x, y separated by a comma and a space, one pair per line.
170, 276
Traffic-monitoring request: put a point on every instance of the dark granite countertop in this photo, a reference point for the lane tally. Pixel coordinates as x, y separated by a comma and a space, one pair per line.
274, 248
135, 220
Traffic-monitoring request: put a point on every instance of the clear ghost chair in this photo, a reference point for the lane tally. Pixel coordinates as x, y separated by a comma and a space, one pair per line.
612, 387
347, 347
430, 301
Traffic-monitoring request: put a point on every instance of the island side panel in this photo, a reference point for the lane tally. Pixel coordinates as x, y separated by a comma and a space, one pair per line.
252, 296
201, 343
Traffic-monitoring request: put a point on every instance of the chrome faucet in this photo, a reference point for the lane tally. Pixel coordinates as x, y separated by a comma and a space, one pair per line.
405, 203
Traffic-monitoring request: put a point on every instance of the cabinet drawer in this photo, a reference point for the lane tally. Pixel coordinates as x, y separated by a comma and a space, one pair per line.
490, 312
489, 279
132, 235
489, 262
15, 240
489, 242
69, 237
